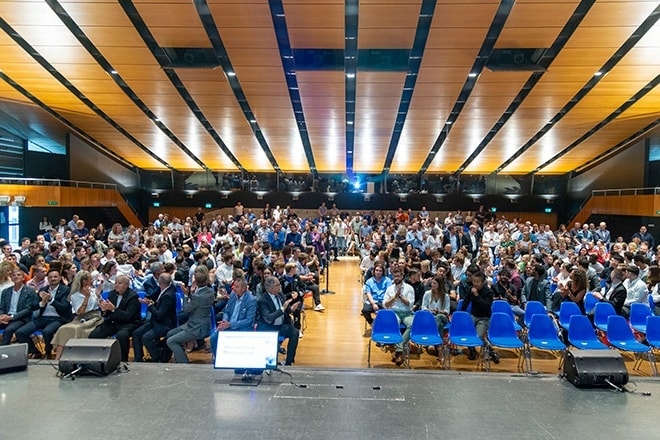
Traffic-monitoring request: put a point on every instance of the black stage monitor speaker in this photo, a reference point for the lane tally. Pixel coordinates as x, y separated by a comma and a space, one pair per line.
13, 357
595, 368
95, 356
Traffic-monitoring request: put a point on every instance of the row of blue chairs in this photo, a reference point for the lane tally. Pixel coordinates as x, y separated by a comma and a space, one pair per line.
542, 334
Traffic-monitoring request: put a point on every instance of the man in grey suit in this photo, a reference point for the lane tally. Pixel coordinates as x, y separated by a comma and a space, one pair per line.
16, 305
198, 306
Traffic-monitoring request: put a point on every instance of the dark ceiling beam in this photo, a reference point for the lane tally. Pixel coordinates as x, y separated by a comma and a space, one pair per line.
18, 39
595, 79
351, 19
77, 32
213, 34
546, 59
616, 149
289, 66
98, 146
414, 62
611, 117
501, 15
164, 60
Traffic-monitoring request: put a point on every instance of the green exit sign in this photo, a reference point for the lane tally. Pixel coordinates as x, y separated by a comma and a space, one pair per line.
208, 205
548, 210
156, 204
52, 202
657, 212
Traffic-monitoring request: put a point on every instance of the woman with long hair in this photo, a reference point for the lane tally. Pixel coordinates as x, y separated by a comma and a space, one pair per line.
436, 300
85, 304
577, 288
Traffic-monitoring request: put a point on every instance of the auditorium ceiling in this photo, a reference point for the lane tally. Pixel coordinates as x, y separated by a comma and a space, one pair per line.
326, 86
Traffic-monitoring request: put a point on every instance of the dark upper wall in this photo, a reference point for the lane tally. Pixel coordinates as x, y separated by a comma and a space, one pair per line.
625, 170
89, 165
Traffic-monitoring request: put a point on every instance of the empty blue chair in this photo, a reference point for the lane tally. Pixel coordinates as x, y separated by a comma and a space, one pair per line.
602, 311
638, 314
566, 310
590, 302
542, 334
533, 308
462, 332
424, 330
582, 335
384, 331
502, 334
501, 306
621, 336
653, 331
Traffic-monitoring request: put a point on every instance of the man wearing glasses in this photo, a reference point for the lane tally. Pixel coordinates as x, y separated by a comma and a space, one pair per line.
274, 315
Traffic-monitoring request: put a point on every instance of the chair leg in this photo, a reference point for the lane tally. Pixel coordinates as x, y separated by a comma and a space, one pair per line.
369, 354
651, 358
485, 357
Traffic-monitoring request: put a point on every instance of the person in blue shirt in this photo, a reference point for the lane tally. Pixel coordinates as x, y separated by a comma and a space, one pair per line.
374, 291
276, 238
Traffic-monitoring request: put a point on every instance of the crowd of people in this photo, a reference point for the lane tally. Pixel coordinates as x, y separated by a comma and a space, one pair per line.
467, 261
161, 290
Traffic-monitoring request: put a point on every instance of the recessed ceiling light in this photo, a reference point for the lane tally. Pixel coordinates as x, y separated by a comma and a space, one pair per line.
350, 75
231, 73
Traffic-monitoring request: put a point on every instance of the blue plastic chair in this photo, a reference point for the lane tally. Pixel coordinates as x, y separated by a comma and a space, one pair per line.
385, 331
502, 334
424, 330
501, 306
460, 304
462, 333
602, 311
621, 336
143, 307
542, 334
651, 303
104, 295
653, 331
533, 308
582, 335
590, 302
638, 314
566, 310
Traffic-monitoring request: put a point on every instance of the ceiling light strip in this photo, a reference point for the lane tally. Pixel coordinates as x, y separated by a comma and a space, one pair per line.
77, 32
351, 11
494, 32
593, 81
161, 56
221, 54
289, 66
546, 59
98, 146
75, 91
414, 62
612, 116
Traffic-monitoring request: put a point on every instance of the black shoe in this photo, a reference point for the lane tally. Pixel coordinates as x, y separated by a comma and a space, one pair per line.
494, 357
472, 354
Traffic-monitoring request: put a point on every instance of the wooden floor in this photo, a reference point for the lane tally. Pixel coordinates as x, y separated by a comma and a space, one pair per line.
335, 338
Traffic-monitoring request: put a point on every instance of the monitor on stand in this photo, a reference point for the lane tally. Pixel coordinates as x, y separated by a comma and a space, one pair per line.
247, 353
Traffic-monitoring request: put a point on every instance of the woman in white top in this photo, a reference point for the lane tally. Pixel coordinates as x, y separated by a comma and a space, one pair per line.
85, 304
436, 300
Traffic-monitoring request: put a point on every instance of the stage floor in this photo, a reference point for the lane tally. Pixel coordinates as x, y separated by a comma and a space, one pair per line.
156, 401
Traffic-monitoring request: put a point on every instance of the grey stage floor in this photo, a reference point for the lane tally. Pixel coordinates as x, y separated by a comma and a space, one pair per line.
195, 402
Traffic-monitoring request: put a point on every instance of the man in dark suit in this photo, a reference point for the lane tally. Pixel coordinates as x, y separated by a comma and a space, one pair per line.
54, 311
16, 305
274, 315
161, 318
616, 295
121, 313
199, 307
472, 240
